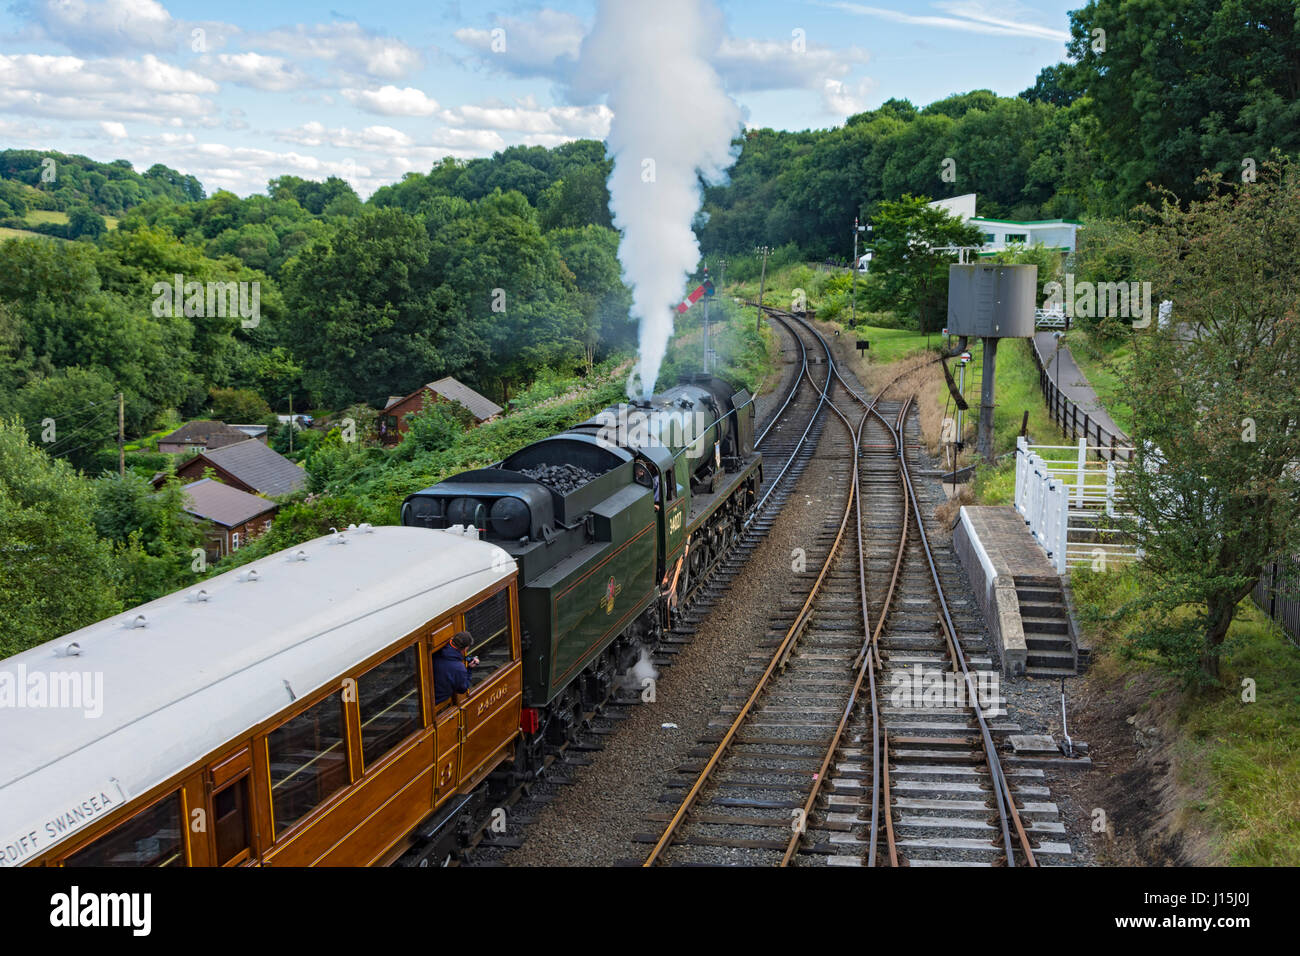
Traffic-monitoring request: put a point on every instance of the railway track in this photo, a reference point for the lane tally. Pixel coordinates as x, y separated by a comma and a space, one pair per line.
788, 439
868, 736
788, 442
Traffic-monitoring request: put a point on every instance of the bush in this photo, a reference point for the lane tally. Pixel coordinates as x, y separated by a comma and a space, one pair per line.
237, 405
435, 426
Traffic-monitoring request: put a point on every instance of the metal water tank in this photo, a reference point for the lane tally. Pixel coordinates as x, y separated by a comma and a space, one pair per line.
992, 301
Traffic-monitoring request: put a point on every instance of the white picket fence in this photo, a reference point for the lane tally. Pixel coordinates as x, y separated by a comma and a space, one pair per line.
1070, 500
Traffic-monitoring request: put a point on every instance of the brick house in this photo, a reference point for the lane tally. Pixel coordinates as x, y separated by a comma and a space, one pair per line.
392, 421
248, 466
200, 436
233, 517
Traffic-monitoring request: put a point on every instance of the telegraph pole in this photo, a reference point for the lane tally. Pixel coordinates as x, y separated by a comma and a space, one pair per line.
853, 296
706, 324
763, 251
121, 434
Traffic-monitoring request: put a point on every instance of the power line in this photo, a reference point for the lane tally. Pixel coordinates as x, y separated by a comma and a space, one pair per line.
77, 411
93, 441
76, 431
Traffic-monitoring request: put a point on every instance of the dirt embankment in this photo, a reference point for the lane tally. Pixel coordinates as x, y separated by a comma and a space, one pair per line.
1140, 779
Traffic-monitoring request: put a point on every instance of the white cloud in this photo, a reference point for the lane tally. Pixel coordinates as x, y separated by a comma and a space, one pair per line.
846, 98
110, 26
70, 74
146, 90
969, 16
468, 142
156, 109
25, 132
746, 64
112, 129
370, 138
391, 101
246, 170
547, 45
567, 122
348, 47
270, 73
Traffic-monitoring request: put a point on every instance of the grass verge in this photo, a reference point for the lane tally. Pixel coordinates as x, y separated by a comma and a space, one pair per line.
1237, 745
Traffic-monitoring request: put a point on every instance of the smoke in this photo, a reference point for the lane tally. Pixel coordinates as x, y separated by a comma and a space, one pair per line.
634, 679
673, 123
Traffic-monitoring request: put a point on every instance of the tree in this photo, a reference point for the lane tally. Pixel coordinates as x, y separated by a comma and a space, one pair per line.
1213, 483
591, 254
238, 405
1054, 86
153, 539
580, 199
505, 294
909, 264
69, 414
361, 317
1047, 260
436, 425
55, 572
1179, 86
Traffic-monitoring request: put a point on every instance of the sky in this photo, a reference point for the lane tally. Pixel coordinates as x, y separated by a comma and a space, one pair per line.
237, 93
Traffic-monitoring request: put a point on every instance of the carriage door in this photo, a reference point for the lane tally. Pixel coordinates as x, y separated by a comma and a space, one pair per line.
447, 719
234, 827
491, 708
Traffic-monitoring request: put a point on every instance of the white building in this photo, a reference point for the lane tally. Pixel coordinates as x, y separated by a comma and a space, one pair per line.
1058, 234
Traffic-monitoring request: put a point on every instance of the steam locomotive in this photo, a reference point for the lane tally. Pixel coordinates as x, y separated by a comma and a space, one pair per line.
612, 525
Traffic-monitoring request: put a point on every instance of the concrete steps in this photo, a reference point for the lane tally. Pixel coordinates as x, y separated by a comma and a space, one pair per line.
1043, 615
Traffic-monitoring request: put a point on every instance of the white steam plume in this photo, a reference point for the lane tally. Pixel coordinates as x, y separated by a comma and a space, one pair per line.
673, 123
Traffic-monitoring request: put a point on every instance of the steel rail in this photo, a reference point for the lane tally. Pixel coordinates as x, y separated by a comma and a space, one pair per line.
1002, 791
862, 665
873, 653
812, 420
794, 387
783, 649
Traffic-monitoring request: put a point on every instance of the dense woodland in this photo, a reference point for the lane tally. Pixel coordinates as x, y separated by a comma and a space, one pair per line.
503, 271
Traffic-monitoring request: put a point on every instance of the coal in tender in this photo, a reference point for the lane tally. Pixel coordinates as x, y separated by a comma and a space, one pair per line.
561, 478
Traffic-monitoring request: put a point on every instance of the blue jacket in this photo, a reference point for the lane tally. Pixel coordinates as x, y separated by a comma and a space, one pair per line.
450, 675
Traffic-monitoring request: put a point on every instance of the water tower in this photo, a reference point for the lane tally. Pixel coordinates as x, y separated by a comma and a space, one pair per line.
991, 301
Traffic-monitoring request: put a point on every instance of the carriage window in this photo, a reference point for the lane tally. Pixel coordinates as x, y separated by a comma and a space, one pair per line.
309, 762
150, 838
230, 815
389, 697
489, 625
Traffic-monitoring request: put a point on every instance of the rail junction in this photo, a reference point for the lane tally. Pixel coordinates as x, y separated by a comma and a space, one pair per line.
870, 733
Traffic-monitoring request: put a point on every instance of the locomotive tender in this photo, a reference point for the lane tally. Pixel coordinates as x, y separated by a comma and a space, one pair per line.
283, 712
612, 524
